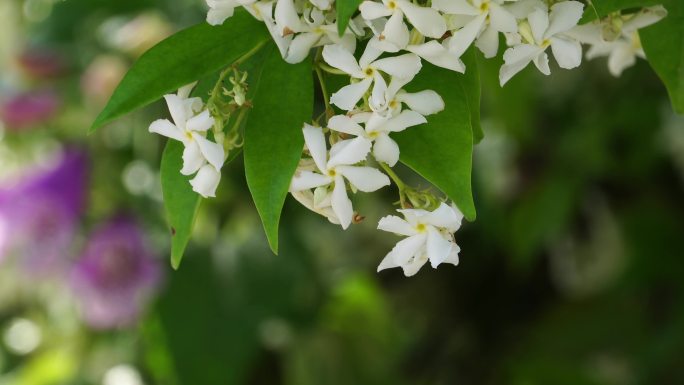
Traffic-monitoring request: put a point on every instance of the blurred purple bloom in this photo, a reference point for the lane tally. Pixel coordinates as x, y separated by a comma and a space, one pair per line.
29, 109
116, 275
39, 216
42, 63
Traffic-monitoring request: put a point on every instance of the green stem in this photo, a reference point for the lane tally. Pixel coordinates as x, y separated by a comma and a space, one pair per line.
331, 70
324, 90
250, 53
401, 186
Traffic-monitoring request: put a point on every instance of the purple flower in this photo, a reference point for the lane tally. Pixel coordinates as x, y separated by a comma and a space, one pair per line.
29, 109
116, 275
42, 63
39, 215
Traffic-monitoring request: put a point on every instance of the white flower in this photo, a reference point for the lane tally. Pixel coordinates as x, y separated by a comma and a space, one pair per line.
377, 130
190, 128
316, 32
541, 31
220, 10
334, 169
430, 237
206, 181
440, 54
366, 70
318, 201
485, 19
623, 50
323, 5
426, 20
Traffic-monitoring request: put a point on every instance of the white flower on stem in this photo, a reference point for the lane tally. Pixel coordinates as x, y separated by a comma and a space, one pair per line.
543, 30
442, 54
485, 19
190, 128
206, 181
314, 32
429, 237
332, 170
623, 50
318, 201
323, 5
220, 10
377, 130
367, 72
426, 102
426, 20
263, 10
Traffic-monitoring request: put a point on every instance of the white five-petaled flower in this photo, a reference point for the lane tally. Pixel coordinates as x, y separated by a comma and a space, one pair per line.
334, 168
220, 10
366, 71
624, 48
426, 20
377, 130
316, 31
544, 29
430, 237
426, 102
482, 20
190, 125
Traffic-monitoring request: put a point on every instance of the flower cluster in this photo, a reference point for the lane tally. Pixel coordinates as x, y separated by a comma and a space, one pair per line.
347, 152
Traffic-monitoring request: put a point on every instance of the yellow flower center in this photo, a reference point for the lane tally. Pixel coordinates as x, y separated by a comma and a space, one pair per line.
332, 173
392, 5
369, 71
421, 228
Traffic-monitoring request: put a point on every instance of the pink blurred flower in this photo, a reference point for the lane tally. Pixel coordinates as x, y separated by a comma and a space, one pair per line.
29, 109
115, 276
42, 63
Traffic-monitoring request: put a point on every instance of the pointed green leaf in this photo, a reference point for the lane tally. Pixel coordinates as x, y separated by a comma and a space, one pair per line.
442, 150
180, 202
345, 10
181, 59
664, 46
283, 102
601, 8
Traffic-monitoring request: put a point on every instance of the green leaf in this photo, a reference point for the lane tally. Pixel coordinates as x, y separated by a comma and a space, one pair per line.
180, 202
472, 83
283, 102
442, 150
345, 10
664, 46
181, 59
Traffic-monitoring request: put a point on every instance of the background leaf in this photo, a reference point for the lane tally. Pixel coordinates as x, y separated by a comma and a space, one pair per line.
180, 202
601, 8
664, 46
182, 59
441, 151
345, 10
283, 102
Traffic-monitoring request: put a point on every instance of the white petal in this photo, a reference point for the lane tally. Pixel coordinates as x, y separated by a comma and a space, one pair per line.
488, 42
427, 21
453, 256
501, 20
315, 142
542, 63
438, 248
348, 96
301, 46
396, 32
286, 17
394, 224
212, 152
405, 119
387, 263
564, 16
369, 55
403, 66
349, 152
185, 91
192, 158
407, 248
338, 57
379, 90
345, 124
341, 204
305, 180
165, 128
644, 18
444, 216
455, 7
201, 122
568, 53
366, 179
177, 110
412, 268
464, 37
218, 16
386, 150
539, 22
206, 181
516, 59
371, 10
620, 58
436, 54
426, 102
